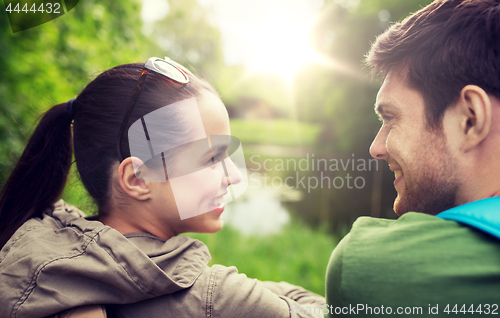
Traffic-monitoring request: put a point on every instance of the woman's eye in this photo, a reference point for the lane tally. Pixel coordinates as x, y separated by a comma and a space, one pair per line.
218, 157
213, 159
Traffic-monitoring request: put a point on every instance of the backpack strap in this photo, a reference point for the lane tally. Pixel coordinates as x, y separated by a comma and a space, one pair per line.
483, 215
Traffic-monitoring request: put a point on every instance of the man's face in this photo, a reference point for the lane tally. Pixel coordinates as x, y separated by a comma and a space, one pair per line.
423, 167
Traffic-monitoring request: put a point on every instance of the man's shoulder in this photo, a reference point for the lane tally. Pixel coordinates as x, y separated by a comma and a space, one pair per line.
409, 223
407, 220
415, 244
407, 257
416, 231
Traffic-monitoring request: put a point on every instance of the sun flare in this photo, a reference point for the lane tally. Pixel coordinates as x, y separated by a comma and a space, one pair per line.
280, 46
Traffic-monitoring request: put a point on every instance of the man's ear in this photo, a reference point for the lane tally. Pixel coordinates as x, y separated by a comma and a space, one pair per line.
475, 113
131, 184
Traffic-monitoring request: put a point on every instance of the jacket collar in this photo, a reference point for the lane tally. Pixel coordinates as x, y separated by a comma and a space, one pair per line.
483, 215
159, 266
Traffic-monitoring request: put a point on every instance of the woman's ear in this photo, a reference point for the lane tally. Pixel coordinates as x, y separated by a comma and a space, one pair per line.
130, 183
476, 112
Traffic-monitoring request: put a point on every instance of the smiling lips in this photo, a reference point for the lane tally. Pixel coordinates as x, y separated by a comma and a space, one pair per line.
217, 204
398, 174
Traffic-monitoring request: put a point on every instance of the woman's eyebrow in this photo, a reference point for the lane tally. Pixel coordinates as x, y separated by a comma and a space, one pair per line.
213, 149
218, 148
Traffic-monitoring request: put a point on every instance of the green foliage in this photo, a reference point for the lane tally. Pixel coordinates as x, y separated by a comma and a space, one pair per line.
398, 9
76, 194
280, 132
227, 83
298, 254
270, 89
51, 63
178, 33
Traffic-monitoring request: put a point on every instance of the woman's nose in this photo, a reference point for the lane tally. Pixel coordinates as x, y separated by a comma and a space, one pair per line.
232, 172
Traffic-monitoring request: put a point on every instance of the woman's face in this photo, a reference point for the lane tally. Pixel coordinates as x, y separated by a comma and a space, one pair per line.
192, 198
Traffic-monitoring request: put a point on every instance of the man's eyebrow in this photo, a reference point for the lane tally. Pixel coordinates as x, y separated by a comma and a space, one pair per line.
381, 108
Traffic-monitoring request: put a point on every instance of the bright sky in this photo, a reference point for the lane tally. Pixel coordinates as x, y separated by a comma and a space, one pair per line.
271, 36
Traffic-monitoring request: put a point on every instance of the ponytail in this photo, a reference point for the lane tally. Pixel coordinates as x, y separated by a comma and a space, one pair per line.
39, 176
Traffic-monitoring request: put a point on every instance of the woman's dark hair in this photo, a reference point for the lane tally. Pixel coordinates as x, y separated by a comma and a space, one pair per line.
444, 47
39, 176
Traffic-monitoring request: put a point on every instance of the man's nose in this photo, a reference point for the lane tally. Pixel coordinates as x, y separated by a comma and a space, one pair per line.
378, 148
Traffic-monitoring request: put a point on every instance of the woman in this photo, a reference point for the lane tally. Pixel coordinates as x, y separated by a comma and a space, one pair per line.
153, 148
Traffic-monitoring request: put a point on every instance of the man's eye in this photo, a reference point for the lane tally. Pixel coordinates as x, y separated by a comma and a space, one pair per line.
386, 119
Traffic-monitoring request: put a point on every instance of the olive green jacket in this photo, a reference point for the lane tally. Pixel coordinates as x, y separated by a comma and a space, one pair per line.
65, 260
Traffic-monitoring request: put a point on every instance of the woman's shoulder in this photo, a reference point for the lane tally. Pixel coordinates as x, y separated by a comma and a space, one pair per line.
60, 229
75, 257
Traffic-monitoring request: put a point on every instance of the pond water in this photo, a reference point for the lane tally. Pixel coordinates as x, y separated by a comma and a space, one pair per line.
258, 212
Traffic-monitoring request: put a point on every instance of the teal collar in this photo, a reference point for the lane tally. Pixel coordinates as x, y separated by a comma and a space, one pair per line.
483, 215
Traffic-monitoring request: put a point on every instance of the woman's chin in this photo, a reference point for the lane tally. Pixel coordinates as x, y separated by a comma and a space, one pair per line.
209, 226
217, 227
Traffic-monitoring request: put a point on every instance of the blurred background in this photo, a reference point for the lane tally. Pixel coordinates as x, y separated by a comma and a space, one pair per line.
291, 75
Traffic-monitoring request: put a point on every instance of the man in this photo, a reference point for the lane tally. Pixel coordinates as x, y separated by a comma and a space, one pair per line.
440, 109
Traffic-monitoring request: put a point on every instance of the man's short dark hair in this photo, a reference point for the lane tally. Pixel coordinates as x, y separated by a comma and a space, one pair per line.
445, 46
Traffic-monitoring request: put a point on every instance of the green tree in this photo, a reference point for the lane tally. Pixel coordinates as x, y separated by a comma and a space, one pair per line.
189, 38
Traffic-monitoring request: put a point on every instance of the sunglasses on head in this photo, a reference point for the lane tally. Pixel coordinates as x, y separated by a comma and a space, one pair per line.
169, 70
